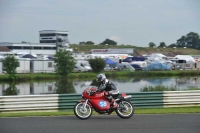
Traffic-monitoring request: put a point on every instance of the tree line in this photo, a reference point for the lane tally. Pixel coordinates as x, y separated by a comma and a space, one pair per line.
190, 40
105, 42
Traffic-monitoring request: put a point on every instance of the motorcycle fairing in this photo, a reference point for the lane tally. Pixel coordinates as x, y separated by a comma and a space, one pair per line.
100, 104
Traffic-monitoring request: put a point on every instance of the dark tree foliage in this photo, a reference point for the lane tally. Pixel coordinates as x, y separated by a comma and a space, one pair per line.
109, 42
162, 44
151, 44
81, 43
172, 45
88, 43
97, 64
191, 40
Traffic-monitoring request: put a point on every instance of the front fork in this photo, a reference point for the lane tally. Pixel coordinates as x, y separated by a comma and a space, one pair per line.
84, 104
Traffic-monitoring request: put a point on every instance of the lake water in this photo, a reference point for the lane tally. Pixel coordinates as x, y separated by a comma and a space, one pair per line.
77, 86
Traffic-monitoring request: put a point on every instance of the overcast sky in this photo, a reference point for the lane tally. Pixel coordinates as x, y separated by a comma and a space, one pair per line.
134, 22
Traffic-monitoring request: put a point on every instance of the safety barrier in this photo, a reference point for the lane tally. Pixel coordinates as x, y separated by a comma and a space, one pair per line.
67, 101
181, 98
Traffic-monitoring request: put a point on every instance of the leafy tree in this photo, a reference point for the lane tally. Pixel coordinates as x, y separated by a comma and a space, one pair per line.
192, 40
89, 43
97, 64
109, 42
65, 63
10, 63
162, 44
172, 45
151, 44
81, 43
181, 42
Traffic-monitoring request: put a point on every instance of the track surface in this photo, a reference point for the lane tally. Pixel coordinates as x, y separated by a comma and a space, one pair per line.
170, 123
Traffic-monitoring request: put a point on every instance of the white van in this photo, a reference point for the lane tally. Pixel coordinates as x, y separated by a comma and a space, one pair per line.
79, 69
84, 63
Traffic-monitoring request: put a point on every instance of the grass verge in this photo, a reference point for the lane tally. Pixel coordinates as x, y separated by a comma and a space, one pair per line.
91, 75
177, 110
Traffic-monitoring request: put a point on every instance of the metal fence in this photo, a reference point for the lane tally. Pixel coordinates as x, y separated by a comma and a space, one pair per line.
67, 101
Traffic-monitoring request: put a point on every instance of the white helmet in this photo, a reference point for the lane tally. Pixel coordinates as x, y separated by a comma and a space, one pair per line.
100, 77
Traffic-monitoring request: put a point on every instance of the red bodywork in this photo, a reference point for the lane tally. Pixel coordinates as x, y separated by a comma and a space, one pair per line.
97, 100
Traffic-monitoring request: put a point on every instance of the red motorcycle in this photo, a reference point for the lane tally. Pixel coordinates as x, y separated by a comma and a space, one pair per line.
96, 100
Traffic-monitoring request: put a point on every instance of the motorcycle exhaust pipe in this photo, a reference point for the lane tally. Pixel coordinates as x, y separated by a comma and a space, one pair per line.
126, 97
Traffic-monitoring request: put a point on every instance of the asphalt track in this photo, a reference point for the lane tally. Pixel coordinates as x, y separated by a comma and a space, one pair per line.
169, 123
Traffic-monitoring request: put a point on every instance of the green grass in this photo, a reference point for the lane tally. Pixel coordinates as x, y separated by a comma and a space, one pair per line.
141, 50
92, 75
158, 88
176, 110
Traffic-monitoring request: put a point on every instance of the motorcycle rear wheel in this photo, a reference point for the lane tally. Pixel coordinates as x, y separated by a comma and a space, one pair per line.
125, 109
82, 113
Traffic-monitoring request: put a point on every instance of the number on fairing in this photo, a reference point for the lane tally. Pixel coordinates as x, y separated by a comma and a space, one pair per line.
103, 103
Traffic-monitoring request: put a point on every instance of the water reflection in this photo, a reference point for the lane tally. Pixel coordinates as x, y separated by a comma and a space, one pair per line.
94, 83
64, 86
11, 90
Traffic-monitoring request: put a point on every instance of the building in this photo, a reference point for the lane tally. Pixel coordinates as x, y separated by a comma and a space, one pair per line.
44, 66
50, 41
53, 36
36, 48
23, 66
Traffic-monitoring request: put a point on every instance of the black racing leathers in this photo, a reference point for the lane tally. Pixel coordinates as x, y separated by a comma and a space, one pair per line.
109, 87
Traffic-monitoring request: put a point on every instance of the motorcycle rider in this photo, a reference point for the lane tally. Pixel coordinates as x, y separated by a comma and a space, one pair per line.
109, 88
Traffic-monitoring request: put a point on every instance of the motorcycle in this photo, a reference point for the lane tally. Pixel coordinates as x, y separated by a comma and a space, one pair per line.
94, 100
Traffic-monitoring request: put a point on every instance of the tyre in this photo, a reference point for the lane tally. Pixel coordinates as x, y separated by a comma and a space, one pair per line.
125, 109
82, 113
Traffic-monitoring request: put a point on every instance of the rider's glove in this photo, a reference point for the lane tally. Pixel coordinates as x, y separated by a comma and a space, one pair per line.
106, 93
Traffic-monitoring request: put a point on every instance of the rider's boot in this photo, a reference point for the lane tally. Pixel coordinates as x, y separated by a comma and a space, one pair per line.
113, 105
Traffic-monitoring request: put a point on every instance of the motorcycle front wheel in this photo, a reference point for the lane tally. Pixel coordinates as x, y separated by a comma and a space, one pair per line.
81, 112
125, 109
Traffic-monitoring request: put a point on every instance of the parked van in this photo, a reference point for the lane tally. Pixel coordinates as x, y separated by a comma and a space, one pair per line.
182, 64
80, 69
83, 63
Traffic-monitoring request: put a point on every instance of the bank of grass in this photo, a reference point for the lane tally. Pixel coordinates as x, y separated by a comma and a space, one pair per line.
177, 110
110, 74
159, 88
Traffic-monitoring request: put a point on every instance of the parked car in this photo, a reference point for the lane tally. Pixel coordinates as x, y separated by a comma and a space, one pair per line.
122, 66
107, 68
136, 66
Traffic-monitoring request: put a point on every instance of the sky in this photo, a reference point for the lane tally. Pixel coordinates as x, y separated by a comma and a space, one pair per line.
130, 22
